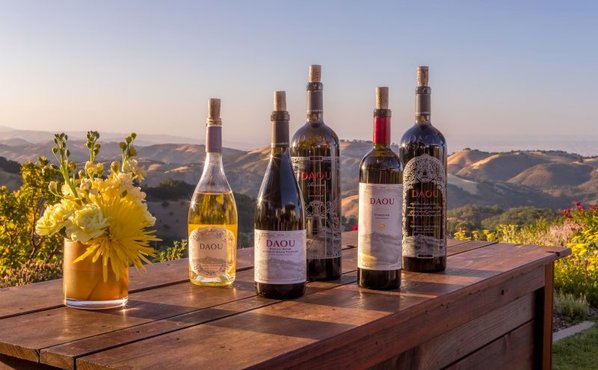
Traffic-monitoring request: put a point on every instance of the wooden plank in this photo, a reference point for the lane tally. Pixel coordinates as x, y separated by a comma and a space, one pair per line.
64, 325
456, 344
332, 328
561, 252
513, 351
23, 336
543, 330
12, 363
467, 246
64, 356
47, 295
349, 238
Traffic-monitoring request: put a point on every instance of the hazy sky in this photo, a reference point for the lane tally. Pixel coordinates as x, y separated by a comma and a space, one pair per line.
516, 73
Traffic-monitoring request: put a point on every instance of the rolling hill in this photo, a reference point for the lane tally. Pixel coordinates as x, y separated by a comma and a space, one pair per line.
547, 179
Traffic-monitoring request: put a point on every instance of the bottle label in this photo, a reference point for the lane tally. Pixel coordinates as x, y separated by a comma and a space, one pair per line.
424, 207
279, 257
380, 228
208, 250
319, 181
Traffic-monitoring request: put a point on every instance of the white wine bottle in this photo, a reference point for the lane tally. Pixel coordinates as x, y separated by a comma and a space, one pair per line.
280, 236
213, 219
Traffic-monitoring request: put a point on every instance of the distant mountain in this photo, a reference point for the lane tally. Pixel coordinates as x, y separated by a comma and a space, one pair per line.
547, 179
8, 134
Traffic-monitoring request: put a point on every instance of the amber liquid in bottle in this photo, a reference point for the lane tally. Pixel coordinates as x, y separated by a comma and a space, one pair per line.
423, 154
315, 153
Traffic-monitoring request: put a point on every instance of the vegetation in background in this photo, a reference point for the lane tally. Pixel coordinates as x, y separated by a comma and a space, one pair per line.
9, 166
172, 190
175, 252
475, 217
521, 216
571, 308
169, 189
19, 211
577, 229
577, 352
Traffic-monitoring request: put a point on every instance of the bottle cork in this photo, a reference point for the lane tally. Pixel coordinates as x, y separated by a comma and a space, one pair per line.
280, 101
422, 76
214, 111
315, 73
382, 97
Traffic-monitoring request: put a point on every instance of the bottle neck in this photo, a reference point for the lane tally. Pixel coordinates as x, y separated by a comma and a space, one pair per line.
213, 178
280, 131
315, 102
213, 160
381, 128
423, 109
213, 138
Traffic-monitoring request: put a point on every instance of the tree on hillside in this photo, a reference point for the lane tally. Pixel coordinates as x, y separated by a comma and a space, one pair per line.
9, 166
521, 216
469, 217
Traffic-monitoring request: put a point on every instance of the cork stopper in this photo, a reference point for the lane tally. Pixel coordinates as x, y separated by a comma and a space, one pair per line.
382, 97
214, 111
315, 73
422, 76
280, 101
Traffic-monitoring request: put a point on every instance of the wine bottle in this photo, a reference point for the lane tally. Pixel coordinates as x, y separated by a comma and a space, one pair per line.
213, 219
280, 238
423, 155
315, 154
380, 207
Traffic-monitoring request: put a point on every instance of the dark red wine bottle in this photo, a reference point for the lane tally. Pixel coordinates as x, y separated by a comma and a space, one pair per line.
380, 207
315, 154
423, 155
279, 257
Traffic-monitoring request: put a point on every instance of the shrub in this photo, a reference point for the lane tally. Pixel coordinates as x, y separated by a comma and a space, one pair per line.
31, 272
570, 307
577, 229
177, 251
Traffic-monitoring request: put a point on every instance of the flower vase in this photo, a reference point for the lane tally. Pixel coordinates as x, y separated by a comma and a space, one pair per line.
84, 285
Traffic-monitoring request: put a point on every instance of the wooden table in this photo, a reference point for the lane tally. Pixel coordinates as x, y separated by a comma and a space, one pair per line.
492, 308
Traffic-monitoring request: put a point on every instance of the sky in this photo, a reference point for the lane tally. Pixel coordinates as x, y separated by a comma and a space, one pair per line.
504, 74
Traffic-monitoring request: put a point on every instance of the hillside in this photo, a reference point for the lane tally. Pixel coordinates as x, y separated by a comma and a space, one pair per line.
545, 179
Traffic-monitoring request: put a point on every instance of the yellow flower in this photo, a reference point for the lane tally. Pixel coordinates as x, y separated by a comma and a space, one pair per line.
126, 240
54, 219
86, 224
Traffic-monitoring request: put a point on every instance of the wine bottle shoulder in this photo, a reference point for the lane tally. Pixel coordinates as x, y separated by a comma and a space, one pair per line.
381, 158
279, 186
422, 134
381, 166
312, 139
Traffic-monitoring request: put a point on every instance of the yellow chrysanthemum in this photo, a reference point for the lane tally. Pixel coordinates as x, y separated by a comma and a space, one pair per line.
126, 240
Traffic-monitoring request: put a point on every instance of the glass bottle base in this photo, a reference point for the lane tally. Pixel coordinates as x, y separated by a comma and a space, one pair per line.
324, 269
95, 305
280, 291
213, 283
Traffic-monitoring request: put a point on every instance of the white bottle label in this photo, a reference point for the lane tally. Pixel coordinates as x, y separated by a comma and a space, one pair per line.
280, 257
380, 227
208, 250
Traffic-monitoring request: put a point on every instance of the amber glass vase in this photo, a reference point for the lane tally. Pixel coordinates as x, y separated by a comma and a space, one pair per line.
84, 285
